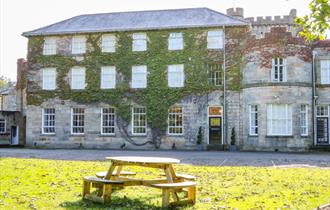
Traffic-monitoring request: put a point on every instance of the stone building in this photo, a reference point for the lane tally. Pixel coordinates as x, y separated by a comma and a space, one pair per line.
12, 103
154, 79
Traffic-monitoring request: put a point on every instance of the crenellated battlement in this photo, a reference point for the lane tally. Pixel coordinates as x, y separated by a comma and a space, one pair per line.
276, 20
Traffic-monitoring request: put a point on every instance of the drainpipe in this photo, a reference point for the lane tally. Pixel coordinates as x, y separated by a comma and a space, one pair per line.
224, 130
314, 97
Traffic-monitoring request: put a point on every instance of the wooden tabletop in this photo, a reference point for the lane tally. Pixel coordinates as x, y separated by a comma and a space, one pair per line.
138, 159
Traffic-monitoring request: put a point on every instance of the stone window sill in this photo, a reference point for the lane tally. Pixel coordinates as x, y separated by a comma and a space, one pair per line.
277, 136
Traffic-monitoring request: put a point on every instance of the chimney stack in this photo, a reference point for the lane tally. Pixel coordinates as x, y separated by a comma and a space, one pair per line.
236, 12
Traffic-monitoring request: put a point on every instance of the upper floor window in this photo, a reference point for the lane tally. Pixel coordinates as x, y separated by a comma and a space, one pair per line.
139, 42
215, 39
77, 121
304, 119
175, 75
175, 120
108, 77
2, 126
278, 70
279, 119
325, 71
48, 121
214, 71
139, 118
108, 43
78, 78
108, 121
322, 111
49, 79
253, 120
139, 76
175, 41
78, 45
49, 46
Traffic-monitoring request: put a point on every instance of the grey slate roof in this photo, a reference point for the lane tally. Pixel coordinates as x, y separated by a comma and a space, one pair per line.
139, 20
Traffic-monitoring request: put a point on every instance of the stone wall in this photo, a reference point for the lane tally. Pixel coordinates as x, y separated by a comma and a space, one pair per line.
195, 114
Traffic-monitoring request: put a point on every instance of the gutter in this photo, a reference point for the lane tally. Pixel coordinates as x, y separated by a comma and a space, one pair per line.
224, 120
314, 98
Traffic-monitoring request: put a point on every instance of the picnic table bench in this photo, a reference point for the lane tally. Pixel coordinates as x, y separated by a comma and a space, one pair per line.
115, 177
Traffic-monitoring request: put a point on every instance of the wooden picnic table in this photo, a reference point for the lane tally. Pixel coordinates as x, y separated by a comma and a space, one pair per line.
170, 185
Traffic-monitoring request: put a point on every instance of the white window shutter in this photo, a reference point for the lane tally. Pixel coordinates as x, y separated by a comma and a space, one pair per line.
175, 41
49, 46
273, 70
139, 42
215, 39
175, 75
284, 70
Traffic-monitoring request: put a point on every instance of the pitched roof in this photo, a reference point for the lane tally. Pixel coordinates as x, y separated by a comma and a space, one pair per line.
139, 20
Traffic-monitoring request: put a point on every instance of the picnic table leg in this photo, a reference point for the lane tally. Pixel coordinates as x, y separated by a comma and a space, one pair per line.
169, 174
107, 176
107, 190
165, 198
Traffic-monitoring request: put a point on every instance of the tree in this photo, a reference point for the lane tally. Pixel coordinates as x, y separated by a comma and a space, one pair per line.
317, 23
3, 82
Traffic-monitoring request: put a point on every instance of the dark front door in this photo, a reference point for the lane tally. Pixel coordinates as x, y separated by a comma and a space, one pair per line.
322, 128
215, 130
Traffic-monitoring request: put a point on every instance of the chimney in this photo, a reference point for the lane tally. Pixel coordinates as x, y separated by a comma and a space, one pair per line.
21, 73
236, 12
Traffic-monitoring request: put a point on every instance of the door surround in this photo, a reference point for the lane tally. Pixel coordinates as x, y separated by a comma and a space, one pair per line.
214, 115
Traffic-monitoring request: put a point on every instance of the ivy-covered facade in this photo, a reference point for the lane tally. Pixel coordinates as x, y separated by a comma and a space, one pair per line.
230, 88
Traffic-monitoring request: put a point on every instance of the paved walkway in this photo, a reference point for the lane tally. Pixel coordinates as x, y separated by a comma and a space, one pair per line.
217, 158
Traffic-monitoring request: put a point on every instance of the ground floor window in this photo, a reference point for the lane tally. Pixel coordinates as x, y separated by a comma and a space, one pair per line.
108, 121
304, 119
2, 125
139, 118
279, 119
48, 121
322, 124
175, 120
77, 120
253, 112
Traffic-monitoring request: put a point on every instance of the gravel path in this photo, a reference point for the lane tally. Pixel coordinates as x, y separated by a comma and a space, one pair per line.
217, 158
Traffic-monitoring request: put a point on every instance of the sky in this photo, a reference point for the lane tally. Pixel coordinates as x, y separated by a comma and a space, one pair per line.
17, 16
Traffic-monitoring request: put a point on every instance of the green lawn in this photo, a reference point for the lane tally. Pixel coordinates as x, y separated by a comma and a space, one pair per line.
54, 184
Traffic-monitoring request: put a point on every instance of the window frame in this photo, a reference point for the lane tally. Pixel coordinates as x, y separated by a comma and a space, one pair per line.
143, 70
288, 120
276, 70
211, 37
108, 43
83, 120
137, 39
172, 40
78, 47
134, 126
325, 71
49, 81
175, 68
84, 78
107, 126
4, 125
253, 125
43, 126
104, 83
214, 70
50, 48
175, 114
304, 119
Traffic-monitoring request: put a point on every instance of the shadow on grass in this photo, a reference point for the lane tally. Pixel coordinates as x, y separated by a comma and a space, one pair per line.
116, 203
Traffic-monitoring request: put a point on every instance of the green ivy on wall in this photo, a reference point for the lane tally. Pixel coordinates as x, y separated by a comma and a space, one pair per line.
157, 97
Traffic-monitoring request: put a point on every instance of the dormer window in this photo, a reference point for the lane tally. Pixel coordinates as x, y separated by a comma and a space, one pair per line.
278, 70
